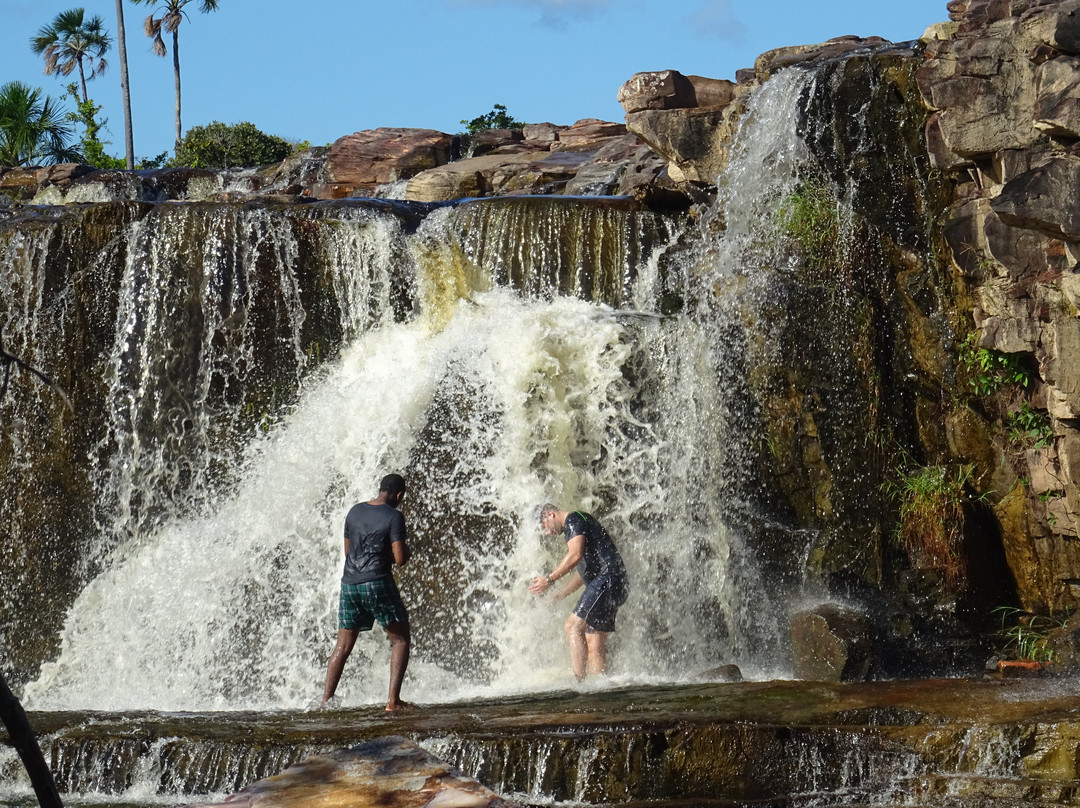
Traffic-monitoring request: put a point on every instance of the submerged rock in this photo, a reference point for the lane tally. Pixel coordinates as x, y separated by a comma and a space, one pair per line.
384, 771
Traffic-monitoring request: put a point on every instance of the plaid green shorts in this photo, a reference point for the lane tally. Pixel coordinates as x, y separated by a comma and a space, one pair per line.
360, 605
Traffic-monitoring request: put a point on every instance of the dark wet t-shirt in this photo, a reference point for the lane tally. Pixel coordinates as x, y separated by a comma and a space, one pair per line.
601, 557
370, 530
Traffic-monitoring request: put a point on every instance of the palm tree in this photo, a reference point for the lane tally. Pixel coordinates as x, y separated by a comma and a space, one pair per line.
32, 130
171, 15
69, 41
121, 47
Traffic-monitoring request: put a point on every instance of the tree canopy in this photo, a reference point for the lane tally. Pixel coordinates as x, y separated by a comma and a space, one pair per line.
496, 119
33, 129
220, 145
73, 42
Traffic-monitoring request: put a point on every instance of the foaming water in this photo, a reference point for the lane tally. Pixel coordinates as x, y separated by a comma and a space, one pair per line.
237, 608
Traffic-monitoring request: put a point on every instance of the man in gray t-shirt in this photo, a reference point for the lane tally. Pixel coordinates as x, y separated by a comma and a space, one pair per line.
374, 543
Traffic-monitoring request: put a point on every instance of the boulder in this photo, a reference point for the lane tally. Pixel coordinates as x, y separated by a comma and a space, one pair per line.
1043, 199
20, 178
476, 176
491, 140
543, 134
386, 771
379, 156
694, 141
63, 172
1057, 97
830, 643
669, 89
659, 89
589, 132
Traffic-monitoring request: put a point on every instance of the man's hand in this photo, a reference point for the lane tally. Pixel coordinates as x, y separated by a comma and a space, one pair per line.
540, 585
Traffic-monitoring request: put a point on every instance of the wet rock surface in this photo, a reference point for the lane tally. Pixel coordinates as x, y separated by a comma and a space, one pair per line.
962, 742
390, 770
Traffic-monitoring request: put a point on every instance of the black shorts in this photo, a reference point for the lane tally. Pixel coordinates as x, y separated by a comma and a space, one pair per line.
600, 602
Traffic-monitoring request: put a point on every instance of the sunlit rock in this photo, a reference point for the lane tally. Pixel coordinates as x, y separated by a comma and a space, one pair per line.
374, 157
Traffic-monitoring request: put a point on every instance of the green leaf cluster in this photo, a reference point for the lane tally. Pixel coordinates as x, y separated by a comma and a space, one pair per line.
496, 119
91, 146
220, 145
988, 370
1029, 426
33, 128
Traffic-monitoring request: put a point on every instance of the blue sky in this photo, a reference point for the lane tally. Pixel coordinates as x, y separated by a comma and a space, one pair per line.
319, 69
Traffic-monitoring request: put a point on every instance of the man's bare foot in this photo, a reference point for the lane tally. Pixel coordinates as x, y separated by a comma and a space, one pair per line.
399, 706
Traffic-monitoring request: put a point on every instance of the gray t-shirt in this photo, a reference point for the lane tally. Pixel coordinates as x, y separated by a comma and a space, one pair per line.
370, 530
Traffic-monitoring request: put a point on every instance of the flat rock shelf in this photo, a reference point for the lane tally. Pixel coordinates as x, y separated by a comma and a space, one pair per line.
955, 742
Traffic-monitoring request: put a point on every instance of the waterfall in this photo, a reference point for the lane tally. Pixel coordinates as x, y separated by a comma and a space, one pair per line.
502, 354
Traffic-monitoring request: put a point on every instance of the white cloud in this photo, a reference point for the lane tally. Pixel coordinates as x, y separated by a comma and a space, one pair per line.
715, 19
553, 13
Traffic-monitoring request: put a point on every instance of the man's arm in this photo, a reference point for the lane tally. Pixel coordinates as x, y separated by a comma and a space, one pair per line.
575, 549
401, 552
573, 583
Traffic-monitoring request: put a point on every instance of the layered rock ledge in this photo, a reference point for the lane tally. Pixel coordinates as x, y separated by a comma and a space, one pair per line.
723, 744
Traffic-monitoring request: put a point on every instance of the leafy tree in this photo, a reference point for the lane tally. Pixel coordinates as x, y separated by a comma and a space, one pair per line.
71, 41
496, 119
219, 145
33, 130
171, 14
91, 146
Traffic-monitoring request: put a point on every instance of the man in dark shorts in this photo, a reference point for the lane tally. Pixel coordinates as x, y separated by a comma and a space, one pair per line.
374, 542
600, 568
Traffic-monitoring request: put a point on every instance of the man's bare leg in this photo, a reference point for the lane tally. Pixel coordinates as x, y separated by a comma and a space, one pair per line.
579, 652
346, 639
597, 642
400, 642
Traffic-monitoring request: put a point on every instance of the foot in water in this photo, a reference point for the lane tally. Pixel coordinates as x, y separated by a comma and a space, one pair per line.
399, 706
333, 703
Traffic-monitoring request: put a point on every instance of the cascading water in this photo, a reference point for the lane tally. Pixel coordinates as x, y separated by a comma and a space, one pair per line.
499, 393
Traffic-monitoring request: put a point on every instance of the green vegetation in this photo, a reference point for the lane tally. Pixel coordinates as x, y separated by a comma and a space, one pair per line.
496, 119
91, 147
1029, 427
809, 217
1027, 636
73, 42
33, 129
988, 370
219, 145
931, 526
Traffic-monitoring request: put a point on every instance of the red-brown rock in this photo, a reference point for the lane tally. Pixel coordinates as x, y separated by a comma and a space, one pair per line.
378, 156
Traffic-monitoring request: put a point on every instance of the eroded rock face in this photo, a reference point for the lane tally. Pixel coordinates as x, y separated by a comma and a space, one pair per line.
1002, 87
